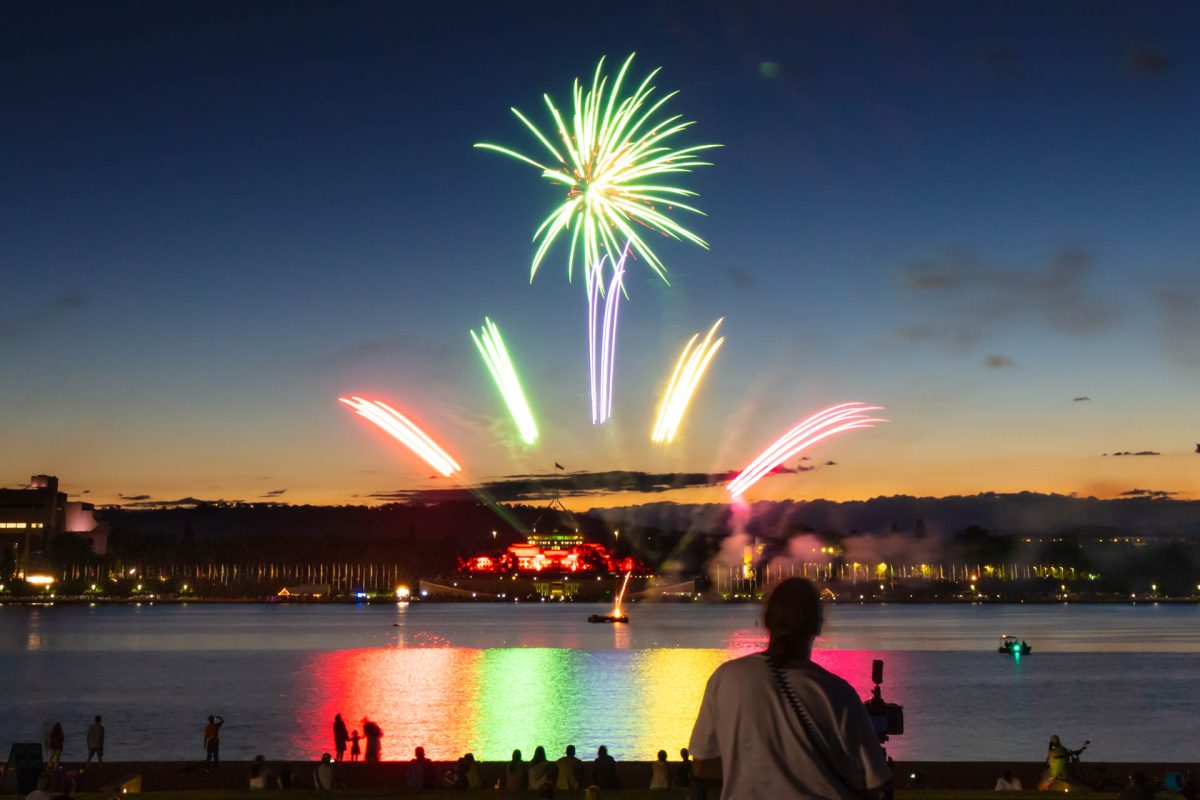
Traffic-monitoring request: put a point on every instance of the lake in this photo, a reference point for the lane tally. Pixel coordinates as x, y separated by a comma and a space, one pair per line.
489, 677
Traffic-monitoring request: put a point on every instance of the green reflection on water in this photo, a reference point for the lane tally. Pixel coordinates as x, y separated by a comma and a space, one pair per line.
526, 697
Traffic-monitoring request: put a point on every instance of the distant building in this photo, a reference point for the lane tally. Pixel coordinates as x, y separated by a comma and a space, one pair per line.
551, 553
31, 517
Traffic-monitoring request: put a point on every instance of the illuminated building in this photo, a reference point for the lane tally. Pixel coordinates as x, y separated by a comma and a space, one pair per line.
31, 517
550, 553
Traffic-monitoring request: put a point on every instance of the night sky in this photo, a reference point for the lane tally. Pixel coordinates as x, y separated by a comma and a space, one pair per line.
217, 217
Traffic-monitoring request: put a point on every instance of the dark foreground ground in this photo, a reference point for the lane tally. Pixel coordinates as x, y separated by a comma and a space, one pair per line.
915, 780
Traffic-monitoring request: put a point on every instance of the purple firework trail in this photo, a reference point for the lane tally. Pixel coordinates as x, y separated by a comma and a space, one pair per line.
603, 375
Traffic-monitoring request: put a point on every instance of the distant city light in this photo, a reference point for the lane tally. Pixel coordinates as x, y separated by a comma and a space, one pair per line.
403, 592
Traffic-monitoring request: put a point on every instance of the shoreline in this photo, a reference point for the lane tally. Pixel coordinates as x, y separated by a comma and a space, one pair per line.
350, 601
163, 776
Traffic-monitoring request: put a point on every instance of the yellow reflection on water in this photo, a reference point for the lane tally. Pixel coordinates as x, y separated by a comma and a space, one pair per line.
670, 685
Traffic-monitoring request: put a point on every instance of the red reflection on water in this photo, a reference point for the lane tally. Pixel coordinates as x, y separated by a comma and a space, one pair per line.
418, 696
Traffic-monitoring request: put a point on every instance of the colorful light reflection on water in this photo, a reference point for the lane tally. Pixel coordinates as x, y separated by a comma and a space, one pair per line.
452, 700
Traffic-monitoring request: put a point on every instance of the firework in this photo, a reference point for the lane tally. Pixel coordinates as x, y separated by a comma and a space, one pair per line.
689, 369
495, 355
404, 431
831, 421
619, 159
602, 379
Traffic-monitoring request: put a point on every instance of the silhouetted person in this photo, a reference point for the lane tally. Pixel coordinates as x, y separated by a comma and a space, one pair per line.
95, 741
683, 775
54, 743
42, 792
568, 770
516, 774
420, 772
212, 740
775, 724
261, 776
466, 774
660, 777
1138, 788
354, 748
323, 779
604, 770
541, 771
340, 736
374, 735
1007, 783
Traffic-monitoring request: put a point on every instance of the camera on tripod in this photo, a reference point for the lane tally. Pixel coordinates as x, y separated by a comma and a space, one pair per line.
886, 718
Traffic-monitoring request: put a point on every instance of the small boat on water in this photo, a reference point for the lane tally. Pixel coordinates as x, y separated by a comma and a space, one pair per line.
1012, 646
617, 614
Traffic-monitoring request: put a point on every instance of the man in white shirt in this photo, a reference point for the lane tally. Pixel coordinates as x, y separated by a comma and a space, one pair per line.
749, 735
42, 790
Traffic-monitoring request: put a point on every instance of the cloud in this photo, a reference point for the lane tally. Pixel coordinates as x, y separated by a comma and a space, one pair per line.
1149, 63
999, 362
15, 328
962, 301
367, 350
144, 501
513, 488
740, 276
275, 493
1155, 494
136, 498
1180, 315
1138, 453
1082, 399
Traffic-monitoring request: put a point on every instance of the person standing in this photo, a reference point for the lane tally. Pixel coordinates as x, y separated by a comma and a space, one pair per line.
374, 735
95, 741
340, 736
212, 739
354, 748
775, 724
54, 743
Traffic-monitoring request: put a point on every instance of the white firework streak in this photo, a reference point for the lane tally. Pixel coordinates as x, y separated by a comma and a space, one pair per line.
404, 431
822, 425
690, 368
603, 374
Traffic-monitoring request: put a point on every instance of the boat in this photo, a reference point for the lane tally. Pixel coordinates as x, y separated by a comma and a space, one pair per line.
617, 614
1012, 646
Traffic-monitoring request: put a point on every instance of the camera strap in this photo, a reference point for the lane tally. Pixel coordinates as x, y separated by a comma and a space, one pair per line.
810, 727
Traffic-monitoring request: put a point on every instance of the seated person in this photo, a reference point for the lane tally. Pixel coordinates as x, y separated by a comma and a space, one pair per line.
261, 776
1007, 783
323, 774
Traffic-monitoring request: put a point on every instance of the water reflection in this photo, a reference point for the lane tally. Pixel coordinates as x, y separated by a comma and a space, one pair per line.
451, 700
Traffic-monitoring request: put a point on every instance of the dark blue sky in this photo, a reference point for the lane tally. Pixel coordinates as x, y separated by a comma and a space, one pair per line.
219, 216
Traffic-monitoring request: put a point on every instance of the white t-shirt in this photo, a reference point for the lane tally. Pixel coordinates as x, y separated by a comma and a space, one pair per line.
764, 748
1003, 785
